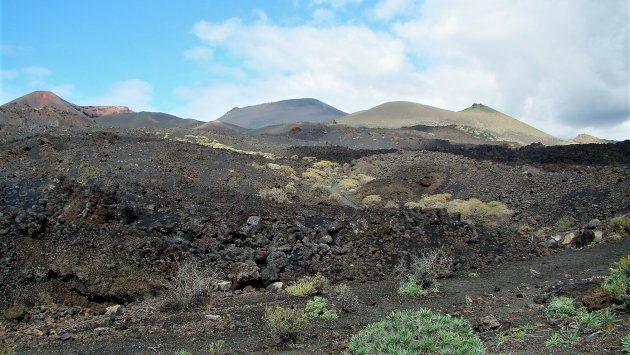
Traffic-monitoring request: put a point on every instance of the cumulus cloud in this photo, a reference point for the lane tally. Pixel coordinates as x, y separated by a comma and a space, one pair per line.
135, 93
198, 53
561, 66
20, 81
385, 10
336, 4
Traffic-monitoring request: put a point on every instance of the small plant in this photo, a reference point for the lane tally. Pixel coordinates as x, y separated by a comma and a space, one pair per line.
326, 164
285, 324
371, 200
560, 308
190, 286
589, 322
420, 276
8, 351
620, 224
318, 308
527, 327
416, 332
274, 194
183, 352
411, 288
348, 184
215, 347
625, 344
473, 275
344, 299
308, 286
617, 284
555, 339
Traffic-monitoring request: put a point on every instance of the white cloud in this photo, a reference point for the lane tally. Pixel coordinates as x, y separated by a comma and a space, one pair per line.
561, 66
387, 9
198, 53
20, 81
336, 4
135, 93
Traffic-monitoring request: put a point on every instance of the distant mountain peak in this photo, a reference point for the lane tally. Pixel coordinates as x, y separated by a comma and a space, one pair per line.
479, 106
279, 112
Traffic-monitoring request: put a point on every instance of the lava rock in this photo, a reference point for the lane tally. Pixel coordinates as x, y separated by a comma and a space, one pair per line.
244, 274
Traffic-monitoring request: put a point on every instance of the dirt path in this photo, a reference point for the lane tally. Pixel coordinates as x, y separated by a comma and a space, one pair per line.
505, 291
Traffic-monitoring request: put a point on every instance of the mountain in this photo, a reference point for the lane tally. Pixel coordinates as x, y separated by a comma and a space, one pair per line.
42, 108
273, 113
218, 126
146, 119
98, 111
584, 138
478, 119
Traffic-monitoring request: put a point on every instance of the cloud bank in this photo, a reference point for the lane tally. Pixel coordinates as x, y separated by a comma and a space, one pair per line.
561, 66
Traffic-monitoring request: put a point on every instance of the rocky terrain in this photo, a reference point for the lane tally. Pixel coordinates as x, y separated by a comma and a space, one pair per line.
95, 222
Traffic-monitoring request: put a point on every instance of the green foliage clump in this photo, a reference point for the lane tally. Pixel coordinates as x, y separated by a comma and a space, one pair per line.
8, 351
617, 284
411, 288
314, 174
308, 286
490, 213
625, 344
183, 352
285, 324
348, 184
318, 308
555, 339
620, 224
416, 332
325, 164
371, 200
581, 320
560, 308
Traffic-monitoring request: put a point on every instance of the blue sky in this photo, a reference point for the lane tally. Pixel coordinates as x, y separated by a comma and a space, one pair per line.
562, 66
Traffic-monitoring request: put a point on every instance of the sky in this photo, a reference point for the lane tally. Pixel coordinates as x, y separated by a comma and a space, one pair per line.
562, 66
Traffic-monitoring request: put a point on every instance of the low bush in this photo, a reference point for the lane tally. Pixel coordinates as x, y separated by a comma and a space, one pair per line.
308, 286
419, 276
620, 224
190, 286
625, 344
371, 200
565, 222
617, 284
581, 320
560, 308
313, 174
285, 324
325, 164
348, 184
274, 194
215, 347
343, 298
416, 332
318, 307
490, 213
555, 339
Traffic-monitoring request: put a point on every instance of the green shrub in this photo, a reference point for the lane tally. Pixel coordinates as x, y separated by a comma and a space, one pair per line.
620, 224
8, 351
313, 174
371, 200
318, 308
555, 339
308, 286
625, 344
183, 352
325, 164
416, 332
411, 288
589, 322
617, 284
285, 324
560, 308
348, 184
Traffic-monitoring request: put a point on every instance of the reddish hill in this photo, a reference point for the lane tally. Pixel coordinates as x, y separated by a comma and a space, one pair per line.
99, 111
42, 108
